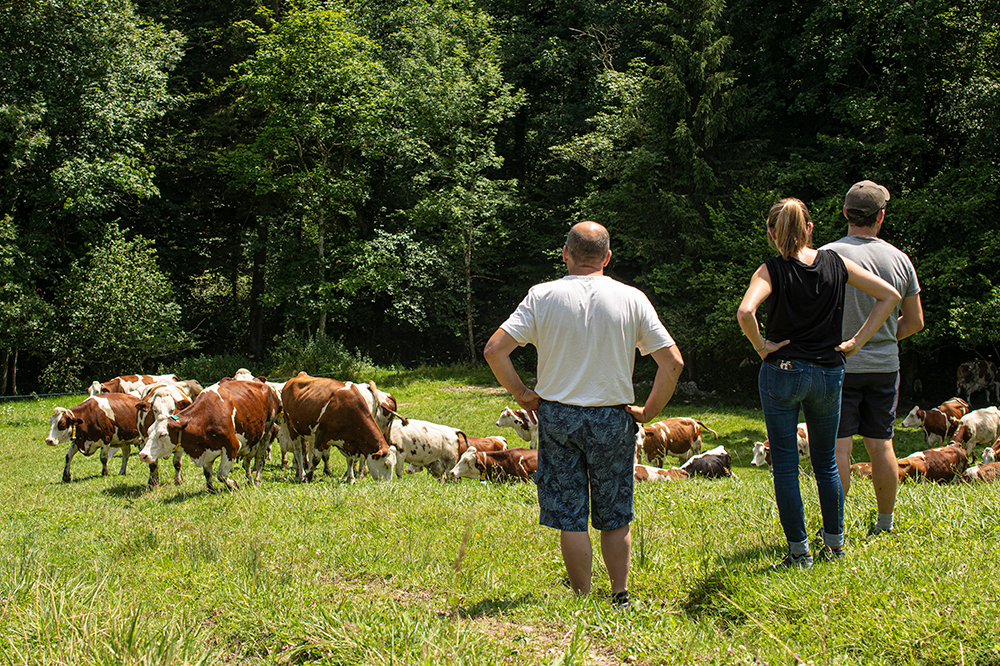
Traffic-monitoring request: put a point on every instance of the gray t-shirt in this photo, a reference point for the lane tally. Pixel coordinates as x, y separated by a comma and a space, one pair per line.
881, 353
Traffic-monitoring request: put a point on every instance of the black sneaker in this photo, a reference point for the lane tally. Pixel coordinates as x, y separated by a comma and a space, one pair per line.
620, 601
803, 561
832, 554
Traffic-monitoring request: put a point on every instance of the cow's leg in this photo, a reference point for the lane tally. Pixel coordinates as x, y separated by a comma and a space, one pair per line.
225, 467
262, 455
69, 457
284, 460
326, 462
177, 468
154, 475
105, 457
349, 474
209, 485
126, 452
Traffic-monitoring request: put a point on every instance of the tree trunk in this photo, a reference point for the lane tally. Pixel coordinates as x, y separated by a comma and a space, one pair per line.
468, 296
4, 357
257, 287
13, 373
320, 237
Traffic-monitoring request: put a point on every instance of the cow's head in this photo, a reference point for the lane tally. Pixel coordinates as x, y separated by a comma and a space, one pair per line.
466, 468
381, 467
989, 455
95, 388
914, 418
163, 436
61, 426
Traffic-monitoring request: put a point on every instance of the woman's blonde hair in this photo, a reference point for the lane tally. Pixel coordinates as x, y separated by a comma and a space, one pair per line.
789, 218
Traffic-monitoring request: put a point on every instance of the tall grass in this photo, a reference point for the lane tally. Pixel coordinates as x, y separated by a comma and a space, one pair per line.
102, 571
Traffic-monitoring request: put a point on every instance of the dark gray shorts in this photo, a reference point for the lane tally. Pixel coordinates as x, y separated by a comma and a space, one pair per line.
585, 454
868, 404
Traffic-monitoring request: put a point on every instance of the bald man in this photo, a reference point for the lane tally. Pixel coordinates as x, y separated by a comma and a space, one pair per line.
586, 328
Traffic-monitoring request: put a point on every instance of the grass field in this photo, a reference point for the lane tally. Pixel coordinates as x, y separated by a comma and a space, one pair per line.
102, 571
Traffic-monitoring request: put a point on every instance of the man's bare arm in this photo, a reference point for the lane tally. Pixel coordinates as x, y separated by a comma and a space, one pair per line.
911, 317
497, 353
669, 365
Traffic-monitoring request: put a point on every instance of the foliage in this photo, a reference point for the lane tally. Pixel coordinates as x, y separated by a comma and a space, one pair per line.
116, 314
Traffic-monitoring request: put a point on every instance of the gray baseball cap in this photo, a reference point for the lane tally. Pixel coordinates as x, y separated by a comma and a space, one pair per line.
866, 197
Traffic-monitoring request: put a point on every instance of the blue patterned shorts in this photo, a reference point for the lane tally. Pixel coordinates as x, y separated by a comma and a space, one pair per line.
581, 448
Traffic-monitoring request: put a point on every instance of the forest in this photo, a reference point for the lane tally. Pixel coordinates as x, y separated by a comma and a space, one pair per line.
186, 179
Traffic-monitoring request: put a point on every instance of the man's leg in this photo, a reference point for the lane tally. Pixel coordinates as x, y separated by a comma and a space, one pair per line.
616, 548
578, 556
885, 473
845, 446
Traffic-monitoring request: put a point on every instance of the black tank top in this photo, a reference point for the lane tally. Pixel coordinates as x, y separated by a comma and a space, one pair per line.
806, 306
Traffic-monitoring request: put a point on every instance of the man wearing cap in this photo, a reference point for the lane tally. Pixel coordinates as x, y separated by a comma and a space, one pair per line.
871, 385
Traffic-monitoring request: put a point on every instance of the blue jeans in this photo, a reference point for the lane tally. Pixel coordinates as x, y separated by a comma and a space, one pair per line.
785, 387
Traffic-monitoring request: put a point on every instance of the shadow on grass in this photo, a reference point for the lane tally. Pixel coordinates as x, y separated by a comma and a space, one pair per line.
493, 607
127, 491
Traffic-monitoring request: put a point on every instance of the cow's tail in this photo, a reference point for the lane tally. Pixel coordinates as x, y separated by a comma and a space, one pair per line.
707, 428
463, 442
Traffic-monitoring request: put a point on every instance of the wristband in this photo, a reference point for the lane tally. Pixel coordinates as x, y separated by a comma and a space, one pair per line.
761, 348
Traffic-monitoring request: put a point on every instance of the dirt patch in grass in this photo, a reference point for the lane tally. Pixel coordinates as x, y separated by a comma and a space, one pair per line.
467, 388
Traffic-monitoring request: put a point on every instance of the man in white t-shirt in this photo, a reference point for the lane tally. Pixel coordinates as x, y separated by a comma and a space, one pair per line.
586, 328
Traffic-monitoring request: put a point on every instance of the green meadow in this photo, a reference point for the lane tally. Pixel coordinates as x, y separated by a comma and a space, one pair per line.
104, 571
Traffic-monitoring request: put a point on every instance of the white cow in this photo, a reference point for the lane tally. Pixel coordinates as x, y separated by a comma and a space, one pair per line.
519, 420
981, 426
762, 450
426, 445
160, 401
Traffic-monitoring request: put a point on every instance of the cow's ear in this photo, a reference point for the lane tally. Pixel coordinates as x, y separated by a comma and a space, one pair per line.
262, 380
142, 406
73, 420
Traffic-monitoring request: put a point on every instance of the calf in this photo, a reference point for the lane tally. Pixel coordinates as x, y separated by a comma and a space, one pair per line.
987, 473
228, 421
979, 427
713, 464
940, 464
939, 423
423, 444
506, 465
979, 375
321, 412
762, 450
105, 422
679, 437
522, 424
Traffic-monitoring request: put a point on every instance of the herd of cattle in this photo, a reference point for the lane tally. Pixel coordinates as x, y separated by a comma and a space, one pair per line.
237, 420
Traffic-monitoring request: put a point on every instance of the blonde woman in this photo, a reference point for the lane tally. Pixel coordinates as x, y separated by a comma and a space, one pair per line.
803, 295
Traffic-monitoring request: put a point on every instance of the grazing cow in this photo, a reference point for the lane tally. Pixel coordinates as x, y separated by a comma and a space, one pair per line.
762, 450
679, 437
981, 426
230, 421
940, 464
650, 473
423, 444
939, 423
383, 409
975, 376
519, 420
321, 412
134, 383
986, 472
106, 422
161, 401
713, 464
507, 465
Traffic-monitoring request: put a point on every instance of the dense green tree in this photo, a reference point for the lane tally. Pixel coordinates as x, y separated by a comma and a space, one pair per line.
116, 314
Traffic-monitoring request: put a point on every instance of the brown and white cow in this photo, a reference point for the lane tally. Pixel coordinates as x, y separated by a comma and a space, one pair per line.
228, 421
95, 388
941, 464
134, 383
518, 464
862, 470
161, 401
978, 375
992, 453
426, 445
713, 464
105, 422
986, 473
321, 412
981, 426
679, 437
522, 424
938, 423
643, 473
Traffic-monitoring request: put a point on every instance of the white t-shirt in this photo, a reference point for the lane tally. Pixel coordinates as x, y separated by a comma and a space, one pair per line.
586, 330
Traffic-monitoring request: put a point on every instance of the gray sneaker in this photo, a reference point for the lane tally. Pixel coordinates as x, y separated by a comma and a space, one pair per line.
804, 561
